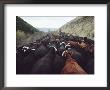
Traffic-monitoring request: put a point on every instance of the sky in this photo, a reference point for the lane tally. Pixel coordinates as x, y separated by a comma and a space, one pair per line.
47, 22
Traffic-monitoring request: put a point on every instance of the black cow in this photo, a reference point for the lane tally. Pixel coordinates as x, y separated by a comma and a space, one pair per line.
24, 66
90, 66
45, 64
58, 64
76, 55
61, 48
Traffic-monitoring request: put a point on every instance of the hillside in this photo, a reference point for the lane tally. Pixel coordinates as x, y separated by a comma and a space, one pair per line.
80, 26
26, 33
24, 26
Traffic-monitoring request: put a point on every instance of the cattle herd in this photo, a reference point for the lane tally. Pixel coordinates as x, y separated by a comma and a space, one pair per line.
62, 54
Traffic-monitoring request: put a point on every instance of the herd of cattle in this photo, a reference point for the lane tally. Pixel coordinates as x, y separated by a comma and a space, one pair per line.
56, 55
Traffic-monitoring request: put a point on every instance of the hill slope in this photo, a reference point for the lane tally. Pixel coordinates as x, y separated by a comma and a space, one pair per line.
80, 26
24, 26
26, 33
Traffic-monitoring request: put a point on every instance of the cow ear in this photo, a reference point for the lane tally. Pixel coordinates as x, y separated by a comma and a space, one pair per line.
63, 54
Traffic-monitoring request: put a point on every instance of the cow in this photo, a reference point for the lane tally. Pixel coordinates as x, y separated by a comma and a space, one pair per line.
73, 44
24, 66
45, 64
61, 48
71, 65
75, 54
58, 64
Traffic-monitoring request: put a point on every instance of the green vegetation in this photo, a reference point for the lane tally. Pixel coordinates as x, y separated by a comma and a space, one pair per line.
23, 38
24, 26
26, 33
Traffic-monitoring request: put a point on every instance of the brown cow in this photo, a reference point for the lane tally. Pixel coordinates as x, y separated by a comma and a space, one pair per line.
82, 44
71, 66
